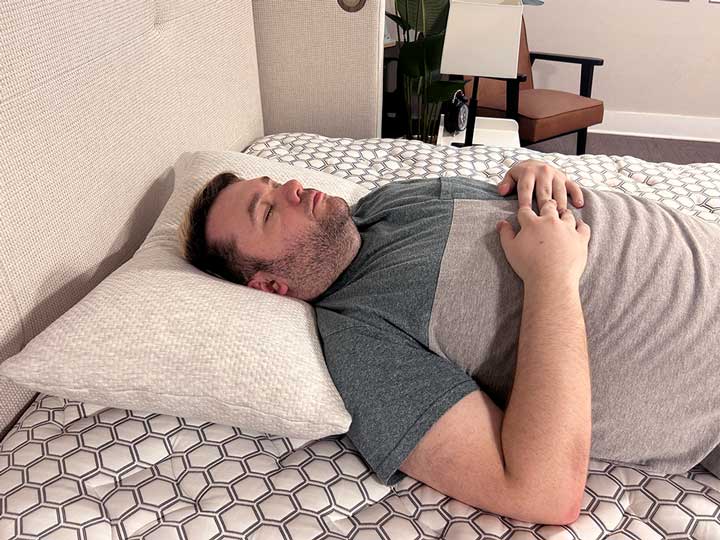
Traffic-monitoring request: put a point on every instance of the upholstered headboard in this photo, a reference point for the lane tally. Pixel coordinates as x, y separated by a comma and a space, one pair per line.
98, 99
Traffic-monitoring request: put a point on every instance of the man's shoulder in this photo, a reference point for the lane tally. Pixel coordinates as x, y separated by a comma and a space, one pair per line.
330, 321
362, 333
397, 190
445, 188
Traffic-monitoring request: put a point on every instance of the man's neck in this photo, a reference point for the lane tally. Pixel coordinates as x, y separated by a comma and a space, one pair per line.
343, 264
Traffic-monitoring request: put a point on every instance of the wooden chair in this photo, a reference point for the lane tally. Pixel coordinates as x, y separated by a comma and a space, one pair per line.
541, 114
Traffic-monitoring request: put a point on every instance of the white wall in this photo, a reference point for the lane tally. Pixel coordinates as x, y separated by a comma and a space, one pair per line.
662, 61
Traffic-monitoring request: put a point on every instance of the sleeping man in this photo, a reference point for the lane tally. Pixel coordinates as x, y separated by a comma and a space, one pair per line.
487, 344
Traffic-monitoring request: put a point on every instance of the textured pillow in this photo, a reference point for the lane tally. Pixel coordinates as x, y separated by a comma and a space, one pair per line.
159, 335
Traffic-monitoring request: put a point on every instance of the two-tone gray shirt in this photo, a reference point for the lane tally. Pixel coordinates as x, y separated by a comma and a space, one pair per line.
429, 311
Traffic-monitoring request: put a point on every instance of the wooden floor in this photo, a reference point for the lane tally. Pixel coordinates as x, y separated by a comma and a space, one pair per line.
657, 150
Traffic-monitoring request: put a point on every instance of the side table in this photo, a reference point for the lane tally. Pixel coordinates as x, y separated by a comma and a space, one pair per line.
488, 131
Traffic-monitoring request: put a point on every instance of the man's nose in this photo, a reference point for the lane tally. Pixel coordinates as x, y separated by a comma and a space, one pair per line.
292, 189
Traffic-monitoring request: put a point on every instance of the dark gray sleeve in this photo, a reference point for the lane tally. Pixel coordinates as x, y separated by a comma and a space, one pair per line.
394, 389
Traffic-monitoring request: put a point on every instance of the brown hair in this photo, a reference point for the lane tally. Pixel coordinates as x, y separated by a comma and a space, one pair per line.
220, 259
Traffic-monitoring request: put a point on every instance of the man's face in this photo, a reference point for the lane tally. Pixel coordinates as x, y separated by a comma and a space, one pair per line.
303, 231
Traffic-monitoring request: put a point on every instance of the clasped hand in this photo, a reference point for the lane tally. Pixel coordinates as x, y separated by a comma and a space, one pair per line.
553, 245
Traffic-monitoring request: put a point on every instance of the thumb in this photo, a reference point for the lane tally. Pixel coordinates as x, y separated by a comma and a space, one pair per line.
506, 232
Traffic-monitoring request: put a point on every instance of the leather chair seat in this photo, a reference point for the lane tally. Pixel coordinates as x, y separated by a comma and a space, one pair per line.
545, 113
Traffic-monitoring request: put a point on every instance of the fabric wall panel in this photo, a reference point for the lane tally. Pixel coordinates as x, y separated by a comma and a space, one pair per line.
320, 66
97, 101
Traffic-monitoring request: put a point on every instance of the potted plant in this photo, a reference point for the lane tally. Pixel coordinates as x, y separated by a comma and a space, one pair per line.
421, 33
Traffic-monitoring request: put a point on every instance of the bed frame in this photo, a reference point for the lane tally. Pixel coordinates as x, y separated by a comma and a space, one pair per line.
97, 102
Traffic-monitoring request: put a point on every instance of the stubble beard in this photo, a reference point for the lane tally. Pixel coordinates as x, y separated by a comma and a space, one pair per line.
320, 255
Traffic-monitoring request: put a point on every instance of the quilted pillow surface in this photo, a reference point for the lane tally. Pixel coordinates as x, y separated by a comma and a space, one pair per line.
158, 335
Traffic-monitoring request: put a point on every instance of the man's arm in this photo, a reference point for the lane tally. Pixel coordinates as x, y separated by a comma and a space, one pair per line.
531, 462
547, 425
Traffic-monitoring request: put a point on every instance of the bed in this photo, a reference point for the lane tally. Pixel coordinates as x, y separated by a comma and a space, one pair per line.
70, 469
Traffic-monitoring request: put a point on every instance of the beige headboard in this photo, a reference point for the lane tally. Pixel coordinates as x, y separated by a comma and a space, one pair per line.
98, 99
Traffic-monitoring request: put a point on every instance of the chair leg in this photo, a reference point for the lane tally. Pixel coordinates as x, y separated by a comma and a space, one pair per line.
581, 141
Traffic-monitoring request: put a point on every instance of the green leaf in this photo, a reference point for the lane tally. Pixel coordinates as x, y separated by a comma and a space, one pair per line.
433, 46
440, 23
439, 91
435, 10
411, 61
424, 53
399, 20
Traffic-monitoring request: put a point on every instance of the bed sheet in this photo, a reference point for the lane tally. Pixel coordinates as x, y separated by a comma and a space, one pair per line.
76, 470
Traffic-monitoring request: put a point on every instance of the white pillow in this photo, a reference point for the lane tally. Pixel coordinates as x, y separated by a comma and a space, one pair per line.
159, 335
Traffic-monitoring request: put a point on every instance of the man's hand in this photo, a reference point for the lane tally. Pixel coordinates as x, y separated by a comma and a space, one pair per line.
549, 248
547, 181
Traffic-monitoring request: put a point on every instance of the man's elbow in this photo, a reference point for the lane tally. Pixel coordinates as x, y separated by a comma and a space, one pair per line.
562, 505
570, 516
572, 490
546, 503
552, 512
570, 510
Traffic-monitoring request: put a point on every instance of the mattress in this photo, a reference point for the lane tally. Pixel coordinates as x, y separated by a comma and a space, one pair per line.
82, 471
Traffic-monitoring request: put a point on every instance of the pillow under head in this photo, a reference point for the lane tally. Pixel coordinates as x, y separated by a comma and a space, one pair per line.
160, 335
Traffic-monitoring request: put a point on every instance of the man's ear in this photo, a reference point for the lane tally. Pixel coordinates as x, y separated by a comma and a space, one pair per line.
263, 281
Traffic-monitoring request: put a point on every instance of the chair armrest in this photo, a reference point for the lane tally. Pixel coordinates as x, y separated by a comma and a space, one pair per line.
566, 58
521, 77
588, 65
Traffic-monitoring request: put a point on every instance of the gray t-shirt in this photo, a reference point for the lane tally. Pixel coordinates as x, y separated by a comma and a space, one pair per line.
429, 311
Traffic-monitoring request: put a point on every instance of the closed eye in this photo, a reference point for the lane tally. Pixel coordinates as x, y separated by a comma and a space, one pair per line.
267, 214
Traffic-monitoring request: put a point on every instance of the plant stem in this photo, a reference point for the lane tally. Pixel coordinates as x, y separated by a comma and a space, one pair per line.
417, 17
428, 105
408, 103
436, 120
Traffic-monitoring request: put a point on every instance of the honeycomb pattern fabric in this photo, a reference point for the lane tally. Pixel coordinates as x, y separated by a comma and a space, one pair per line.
74, 470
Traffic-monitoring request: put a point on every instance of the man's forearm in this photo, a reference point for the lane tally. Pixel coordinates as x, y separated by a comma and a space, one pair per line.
547, 423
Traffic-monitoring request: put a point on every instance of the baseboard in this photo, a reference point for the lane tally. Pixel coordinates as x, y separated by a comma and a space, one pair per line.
660, 126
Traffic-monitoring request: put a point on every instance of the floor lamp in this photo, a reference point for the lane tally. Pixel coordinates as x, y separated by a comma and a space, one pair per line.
482, 39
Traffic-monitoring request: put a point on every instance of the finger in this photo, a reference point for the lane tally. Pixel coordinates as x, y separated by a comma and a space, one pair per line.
525, 187
583, 228
543, 186
575, 193
507, 185
559, 192
567, 216
549, 208
506, 233
526, 216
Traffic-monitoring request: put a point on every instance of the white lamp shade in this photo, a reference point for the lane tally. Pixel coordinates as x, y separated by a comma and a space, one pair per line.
482, 38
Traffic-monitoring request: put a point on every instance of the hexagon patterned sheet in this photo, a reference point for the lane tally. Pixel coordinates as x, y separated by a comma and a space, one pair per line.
70, 470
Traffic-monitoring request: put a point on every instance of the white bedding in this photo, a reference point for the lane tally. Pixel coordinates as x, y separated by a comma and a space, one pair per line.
74, 470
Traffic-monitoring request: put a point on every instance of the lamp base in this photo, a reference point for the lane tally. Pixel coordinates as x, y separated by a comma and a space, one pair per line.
463, 145
470, 128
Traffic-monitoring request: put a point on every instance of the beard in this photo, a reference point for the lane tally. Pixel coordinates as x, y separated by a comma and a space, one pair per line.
321, 253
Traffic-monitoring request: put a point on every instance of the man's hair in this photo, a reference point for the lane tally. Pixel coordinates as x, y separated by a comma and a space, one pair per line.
220, 258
